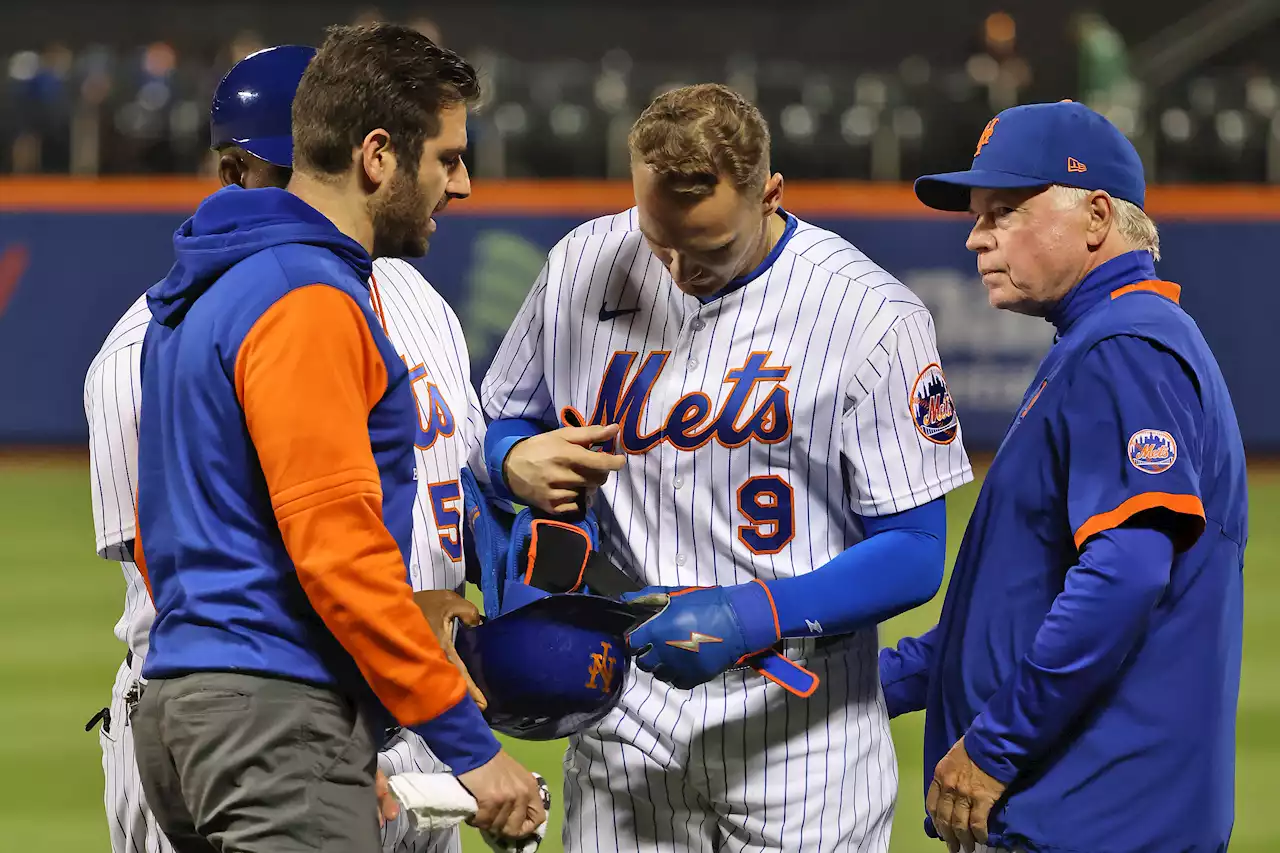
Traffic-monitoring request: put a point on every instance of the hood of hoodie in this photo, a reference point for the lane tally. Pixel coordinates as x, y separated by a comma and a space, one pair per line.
233, 224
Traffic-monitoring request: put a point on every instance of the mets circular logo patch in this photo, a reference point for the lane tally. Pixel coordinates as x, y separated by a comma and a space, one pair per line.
1152, 451
932, 409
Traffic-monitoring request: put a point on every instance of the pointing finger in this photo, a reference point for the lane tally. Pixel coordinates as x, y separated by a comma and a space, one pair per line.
585, 436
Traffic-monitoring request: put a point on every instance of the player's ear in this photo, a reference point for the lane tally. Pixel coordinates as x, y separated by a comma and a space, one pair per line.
376, 161
232, 167
772, 194
1102, 213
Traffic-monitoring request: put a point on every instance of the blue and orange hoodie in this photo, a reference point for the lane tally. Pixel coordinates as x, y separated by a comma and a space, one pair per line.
275, 490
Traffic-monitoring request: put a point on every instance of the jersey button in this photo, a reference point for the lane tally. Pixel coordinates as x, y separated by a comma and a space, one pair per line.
678, 482
698, 324
693, 362
681, 559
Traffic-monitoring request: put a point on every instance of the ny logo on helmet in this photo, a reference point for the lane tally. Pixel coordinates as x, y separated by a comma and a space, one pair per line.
601, 666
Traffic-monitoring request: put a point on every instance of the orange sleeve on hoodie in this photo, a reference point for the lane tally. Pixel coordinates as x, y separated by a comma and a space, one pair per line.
307, 375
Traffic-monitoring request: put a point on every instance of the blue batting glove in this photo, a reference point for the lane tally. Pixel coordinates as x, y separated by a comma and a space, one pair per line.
651, 591
702, 631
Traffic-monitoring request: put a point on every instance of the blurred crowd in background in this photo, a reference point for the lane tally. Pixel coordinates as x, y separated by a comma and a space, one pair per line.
1196, 114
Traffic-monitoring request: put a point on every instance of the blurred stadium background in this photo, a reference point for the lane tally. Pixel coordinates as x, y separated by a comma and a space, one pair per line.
103, 134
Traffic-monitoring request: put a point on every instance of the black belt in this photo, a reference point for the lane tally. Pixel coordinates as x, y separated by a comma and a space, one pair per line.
128, 658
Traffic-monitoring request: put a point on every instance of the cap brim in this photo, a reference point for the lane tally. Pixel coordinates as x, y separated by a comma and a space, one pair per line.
276, 150
950, 190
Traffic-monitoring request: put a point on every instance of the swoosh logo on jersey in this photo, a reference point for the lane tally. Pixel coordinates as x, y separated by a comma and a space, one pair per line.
13, 263
607, 314
695, 641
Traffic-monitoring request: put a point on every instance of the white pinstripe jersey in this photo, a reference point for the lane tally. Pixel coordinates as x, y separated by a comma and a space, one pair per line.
112, 391
811, 393
427, 334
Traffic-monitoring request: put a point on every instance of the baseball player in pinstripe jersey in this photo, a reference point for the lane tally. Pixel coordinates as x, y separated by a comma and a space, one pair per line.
786, 441
426, 332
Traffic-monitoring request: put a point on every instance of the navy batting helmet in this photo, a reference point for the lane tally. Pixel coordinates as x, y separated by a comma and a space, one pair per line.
551, 667
253, 104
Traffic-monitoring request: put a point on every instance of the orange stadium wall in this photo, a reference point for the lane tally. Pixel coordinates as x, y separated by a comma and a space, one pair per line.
75, 253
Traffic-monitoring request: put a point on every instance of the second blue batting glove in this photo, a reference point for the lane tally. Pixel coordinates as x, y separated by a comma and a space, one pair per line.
702, 631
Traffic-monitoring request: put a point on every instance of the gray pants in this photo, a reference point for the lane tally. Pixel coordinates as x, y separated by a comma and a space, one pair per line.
240, 764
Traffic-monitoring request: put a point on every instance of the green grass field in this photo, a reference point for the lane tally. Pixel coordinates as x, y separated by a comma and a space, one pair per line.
59, 658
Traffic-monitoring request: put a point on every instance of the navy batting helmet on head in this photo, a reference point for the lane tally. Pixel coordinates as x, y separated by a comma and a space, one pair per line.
253, 104
551, 667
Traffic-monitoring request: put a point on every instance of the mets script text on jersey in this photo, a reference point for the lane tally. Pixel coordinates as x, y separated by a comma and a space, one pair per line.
686, 426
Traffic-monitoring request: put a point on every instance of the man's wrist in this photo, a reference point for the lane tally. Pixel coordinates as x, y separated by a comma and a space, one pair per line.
460, 737
506, 467
984, 751
757, 617
498, 453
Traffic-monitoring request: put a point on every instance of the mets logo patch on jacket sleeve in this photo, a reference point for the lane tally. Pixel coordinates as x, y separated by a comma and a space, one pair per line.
932, 408
1152, 450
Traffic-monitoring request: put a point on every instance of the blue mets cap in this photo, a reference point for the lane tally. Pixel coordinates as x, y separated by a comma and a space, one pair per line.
253, 104
1040, 144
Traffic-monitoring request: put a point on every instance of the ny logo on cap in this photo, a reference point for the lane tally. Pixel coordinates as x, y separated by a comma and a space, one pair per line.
986, 135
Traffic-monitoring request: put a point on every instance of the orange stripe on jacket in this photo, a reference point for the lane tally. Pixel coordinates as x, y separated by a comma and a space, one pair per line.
307, 410
1181, 504
1167, 289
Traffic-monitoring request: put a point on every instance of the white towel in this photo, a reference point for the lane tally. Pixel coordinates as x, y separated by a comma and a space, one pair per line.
438, 801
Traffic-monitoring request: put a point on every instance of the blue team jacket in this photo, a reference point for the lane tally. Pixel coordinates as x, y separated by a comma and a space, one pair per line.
1128, 414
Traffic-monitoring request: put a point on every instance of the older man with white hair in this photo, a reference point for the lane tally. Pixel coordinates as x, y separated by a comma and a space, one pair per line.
1080, 687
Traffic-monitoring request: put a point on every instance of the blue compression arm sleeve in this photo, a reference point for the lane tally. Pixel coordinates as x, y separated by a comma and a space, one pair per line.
904, 673
1093, 625
896, 567
500, 436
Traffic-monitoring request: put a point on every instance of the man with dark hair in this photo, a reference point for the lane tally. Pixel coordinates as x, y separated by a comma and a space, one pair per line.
364, 77
276, 482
